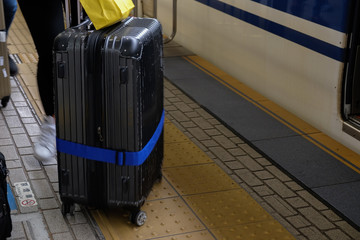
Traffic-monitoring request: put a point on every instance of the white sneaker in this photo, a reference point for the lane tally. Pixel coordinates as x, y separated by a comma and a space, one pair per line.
46, 147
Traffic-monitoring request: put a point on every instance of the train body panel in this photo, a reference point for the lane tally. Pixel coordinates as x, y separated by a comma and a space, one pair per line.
296, 59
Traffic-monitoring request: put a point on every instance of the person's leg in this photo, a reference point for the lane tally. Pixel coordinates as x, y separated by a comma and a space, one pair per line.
10, 7
45, 21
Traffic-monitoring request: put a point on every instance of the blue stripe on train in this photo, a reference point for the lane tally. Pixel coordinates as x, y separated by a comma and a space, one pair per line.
329, 13
300, 38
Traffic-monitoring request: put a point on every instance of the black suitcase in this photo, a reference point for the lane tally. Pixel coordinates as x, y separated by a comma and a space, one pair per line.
109, 114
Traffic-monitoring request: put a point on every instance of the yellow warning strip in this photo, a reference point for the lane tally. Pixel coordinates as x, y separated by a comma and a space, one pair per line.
324, 142
105, 225
196, 200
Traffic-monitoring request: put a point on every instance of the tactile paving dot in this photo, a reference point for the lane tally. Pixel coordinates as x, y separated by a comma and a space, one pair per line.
173, 134
161, 190
269, 230
227, 208
166, 217
199, 179
183, 153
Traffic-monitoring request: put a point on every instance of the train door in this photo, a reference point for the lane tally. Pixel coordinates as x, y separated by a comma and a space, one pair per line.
351, 87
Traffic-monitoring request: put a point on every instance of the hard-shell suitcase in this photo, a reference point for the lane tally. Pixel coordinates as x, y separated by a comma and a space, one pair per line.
109, 114
5, 88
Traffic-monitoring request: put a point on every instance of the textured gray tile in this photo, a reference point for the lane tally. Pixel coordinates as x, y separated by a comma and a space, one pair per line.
48, 203
83, 232
30, 163
22, 140
305, 161
346, 199
62, 236
17, 175
42, 188
52, 173
9, 152
13, 121
4, 132
24, 112
32, 129
55, 221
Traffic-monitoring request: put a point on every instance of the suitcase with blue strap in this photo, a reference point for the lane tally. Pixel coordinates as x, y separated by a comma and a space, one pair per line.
109, 114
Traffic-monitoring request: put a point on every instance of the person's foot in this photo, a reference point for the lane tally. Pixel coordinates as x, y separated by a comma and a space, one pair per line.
13, 67
46, 147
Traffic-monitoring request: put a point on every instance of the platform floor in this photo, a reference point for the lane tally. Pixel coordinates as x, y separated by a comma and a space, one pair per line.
215, 185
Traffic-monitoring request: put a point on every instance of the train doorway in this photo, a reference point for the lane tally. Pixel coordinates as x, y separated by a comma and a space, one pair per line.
351, 87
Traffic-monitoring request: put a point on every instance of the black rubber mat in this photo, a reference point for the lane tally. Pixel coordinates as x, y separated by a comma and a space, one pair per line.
316, 169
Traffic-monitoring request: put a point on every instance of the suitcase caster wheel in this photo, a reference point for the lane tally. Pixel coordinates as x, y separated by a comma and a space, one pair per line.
72, 209
5, 100
67, 208
138, 218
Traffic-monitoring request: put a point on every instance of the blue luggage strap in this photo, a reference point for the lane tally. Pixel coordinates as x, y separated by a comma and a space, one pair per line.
112, 156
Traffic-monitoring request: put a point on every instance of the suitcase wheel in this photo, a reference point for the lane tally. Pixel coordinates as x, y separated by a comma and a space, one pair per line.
67, 208
138, 218
5, 100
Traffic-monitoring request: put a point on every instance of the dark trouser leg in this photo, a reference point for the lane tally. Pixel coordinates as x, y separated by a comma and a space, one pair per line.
45, 21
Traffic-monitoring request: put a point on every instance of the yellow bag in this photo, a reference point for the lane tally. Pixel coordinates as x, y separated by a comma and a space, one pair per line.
104, 13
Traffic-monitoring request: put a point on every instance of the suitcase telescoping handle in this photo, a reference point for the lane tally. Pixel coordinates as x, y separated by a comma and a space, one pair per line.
73, 11
75, 16
84, 25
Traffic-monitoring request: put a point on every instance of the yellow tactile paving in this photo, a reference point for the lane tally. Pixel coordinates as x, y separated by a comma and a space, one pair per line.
173, 134
268, 230
162, 190
196, 201
227, 208
166, 217
201, 235
183, 153
199, 179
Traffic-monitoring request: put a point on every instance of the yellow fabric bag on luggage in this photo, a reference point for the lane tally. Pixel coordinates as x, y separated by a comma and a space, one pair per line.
104, 13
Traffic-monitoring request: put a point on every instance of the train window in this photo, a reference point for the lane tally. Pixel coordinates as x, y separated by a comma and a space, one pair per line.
351, 87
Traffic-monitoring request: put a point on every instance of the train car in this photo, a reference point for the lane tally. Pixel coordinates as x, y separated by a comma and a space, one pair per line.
300, 54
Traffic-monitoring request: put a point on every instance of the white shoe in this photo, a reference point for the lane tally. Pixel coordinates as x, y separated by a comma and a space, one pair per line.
45, 149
